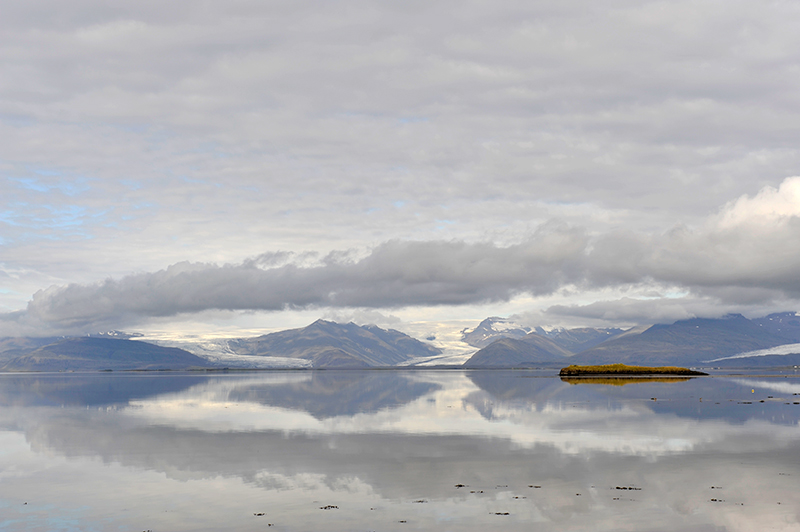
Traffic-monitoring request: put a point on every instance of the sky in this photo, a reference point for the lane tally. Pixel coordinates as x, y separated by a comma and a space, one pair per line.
222, 167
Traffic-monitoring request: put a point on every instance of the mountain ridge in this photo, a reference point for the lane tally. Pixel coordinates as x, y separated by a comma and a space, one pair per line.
687, 342
691, 342
730, 341
86, 353
329, 344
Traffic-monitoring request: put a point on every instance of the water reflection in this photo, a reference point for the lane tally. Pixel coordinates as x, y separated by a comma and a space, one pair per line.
89, 389
327, 394
444, 450
622, 381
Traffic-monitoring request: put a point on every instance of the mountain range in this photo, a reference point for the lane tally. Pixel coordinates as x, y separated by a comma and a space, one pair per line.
573, 340
323, 344
530, 350
98, 354
693, 342
506, 344
731, 341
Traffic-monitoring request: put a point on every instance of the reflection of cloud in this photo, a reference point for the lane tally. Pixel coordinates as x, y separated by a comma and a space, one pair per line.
781, 386
567, 441
631, 428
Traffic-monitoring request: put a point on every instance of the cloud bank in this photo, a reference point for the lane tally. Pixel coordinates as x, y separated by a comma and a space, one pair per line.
742, 255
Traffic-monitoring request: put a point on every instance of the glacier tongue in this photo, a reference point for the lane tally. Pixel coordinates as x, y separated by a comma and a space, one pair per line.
219, 352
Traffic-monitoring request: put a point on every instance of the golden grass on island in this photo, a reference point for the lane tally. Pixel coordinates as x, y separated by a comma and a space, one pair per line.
623, 369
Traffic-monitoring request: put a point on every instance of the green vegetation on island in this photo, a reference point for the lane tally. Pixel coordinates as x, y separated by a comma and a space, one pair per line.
623, 369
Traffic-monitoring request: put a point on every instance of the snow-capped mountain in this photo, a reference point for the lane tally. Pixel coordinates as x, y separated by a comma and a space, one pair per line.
492, 329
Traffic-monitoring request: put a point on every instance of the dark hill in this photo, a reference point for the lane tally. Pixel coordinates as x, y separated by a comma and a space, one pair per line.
328, 344
97, 354
18, 346
579, 339
530, 351
783, 324
686, 342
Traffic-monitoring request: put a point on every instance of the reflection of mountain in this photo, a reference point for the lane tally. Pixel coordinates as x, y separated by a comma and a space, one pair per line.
518, 386
97, 354
695, 398
88, 389
404, 463
188, 460
328, 344
397, 469
394, 465
340, 393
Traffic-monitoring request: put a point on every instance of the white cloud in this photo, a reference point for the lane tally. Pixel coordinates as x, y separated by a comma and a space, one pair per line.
768, 208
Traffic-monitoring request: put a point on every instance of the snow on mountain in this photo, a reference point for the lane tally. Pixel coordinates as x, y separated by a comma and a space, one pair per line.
786, 349
492, 329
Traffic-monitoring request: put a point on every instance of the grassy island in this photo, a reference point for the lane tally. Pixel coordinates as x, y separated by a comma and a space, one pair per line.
623, 369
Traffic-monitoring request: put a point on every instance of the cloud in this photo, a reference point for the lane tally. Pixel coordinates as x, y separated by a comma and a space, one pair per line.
627, 310
719, 267
362, 317
394, 274
769, 207
140, 135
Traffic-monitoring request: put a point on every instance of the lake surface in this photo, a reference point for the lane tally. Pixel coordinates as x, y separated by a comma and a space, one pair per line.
397, 450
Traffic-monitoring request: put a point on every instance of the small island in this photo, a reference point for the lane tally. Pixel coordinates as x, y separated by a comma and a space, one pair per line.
623, 369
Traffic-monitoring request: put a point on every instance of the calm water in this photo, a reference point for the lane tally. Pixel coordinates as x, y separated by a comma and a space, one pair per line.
395, 450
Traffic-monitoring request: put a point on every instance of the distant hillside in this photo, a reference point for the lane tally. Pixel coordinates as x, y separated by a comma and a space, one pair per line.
15, 347
328, 344
323, 344
686, 342
97, 354
783, 324
573, 340
530, 351
578, 339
